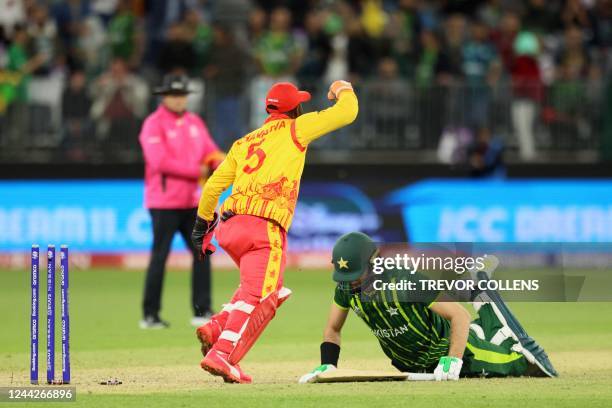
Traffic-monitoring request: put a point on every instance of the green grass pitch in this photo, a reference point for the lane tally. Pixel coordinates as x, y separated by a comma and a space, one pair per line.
161, 368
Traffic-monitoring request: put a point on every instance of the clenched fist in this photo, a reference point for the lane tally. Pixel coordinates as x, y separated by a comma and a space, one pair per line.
337, 87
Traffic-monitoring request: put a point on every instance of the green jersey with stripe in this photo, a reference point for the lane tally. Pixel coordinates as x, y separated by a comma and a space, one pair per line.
408, 331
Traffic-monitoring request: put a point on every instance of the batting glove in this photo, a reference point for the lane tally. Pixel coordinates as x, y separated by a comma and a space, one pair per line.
306, 378
448, 369
337, 87
202, 234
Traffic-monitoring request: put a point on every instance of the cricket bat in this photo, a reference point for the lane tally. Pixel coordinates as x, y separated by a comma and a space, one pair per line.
348, 375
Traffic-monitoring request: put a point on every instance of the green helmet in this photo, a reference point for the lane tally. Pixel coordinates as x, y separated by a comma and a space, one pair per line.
351, 256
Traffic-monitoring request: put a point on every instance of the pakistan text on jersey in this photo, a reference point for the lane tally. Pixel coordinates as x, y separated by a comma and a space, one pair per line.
388, 333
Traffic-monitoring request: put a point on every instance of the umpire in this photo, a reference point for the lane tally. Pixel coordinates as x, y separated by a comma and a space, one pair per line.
179, 155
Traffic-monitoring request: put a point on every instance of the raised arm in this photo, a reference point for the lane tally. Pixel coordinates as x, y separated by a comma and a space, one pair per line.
311, 126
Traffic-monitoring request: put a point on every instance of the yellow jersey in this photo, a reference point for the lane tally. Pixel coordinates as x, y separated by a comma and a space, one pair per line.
265, 166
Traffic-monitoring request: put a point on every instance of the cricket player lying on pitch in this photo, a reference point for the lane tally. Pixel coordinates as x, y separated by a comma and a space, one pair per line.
425, 336
265, 168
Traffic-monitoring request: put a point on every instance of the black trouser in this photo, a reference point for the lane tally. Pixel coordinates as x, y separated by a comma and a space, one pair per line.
165, 224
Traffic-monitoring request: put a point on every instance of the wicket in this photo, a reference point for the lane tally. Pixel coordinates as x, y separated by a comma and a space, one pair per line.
34, 323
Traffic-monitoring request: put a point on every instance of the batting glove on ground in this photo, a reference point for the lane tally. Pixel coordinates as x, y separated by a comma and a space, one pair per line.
306, 378
202, 234
448, 369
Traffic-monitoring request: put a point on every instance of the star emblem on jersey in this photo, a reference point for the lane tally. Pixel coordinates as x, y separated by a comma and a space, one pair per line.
342, 264
392, 311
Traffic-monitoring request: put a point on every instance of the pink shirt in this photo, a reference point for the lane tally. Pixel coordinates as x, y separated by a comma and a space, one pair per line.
174, 148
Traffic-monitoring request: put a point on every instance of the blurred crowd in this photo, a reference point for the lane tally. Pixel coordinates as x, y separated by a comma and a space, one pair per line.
78, 73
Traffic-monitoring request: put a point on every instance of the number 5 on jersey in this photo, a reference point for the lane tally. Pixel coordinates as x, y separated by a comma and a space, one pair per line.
254, 151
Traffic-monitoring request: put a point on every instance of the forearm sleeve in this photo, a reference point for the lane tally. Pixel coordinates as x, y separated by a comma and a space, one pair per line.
222, 178
311, 126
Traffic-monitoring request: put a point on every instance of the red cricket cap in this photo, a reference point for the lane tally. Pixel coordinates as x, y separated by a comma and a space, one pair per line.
284, 97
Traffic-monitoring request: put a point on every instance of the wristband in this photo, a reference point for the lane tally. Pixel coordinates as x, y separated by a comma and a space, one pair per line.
330, 353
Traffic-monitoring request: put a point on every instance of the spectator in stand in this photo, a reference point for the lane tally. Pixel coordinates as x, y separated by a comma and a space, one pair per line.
233, 14
258, 20
373, 18
201, 36
317, 52
492, 13
432, 74
120, 102
574, 51
454, 40
43, 38
404, 30
177, 53
104, 9
432, 62
390, 101
574, 13
568, 96
334, 27
21, 65
13, 14
503, 36
45, 90
18, 59
481, 69
68, 15
276, 51
76, 105
277, 56
125, 36
527, 92
161, 14
90, 51
362, 56
226, 79
8, 85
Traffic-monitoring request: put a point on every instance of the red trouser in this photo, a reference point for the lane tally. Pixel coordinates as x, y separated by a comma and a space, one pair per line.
257, 246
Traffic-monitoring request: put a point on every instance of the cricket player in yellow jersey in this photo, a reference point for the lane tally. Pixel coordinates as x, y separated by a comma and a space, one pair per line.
265, 168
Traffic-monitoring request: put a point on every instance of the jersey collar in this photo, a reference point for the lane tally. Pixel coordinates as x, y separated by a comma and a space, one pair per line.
276, 116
